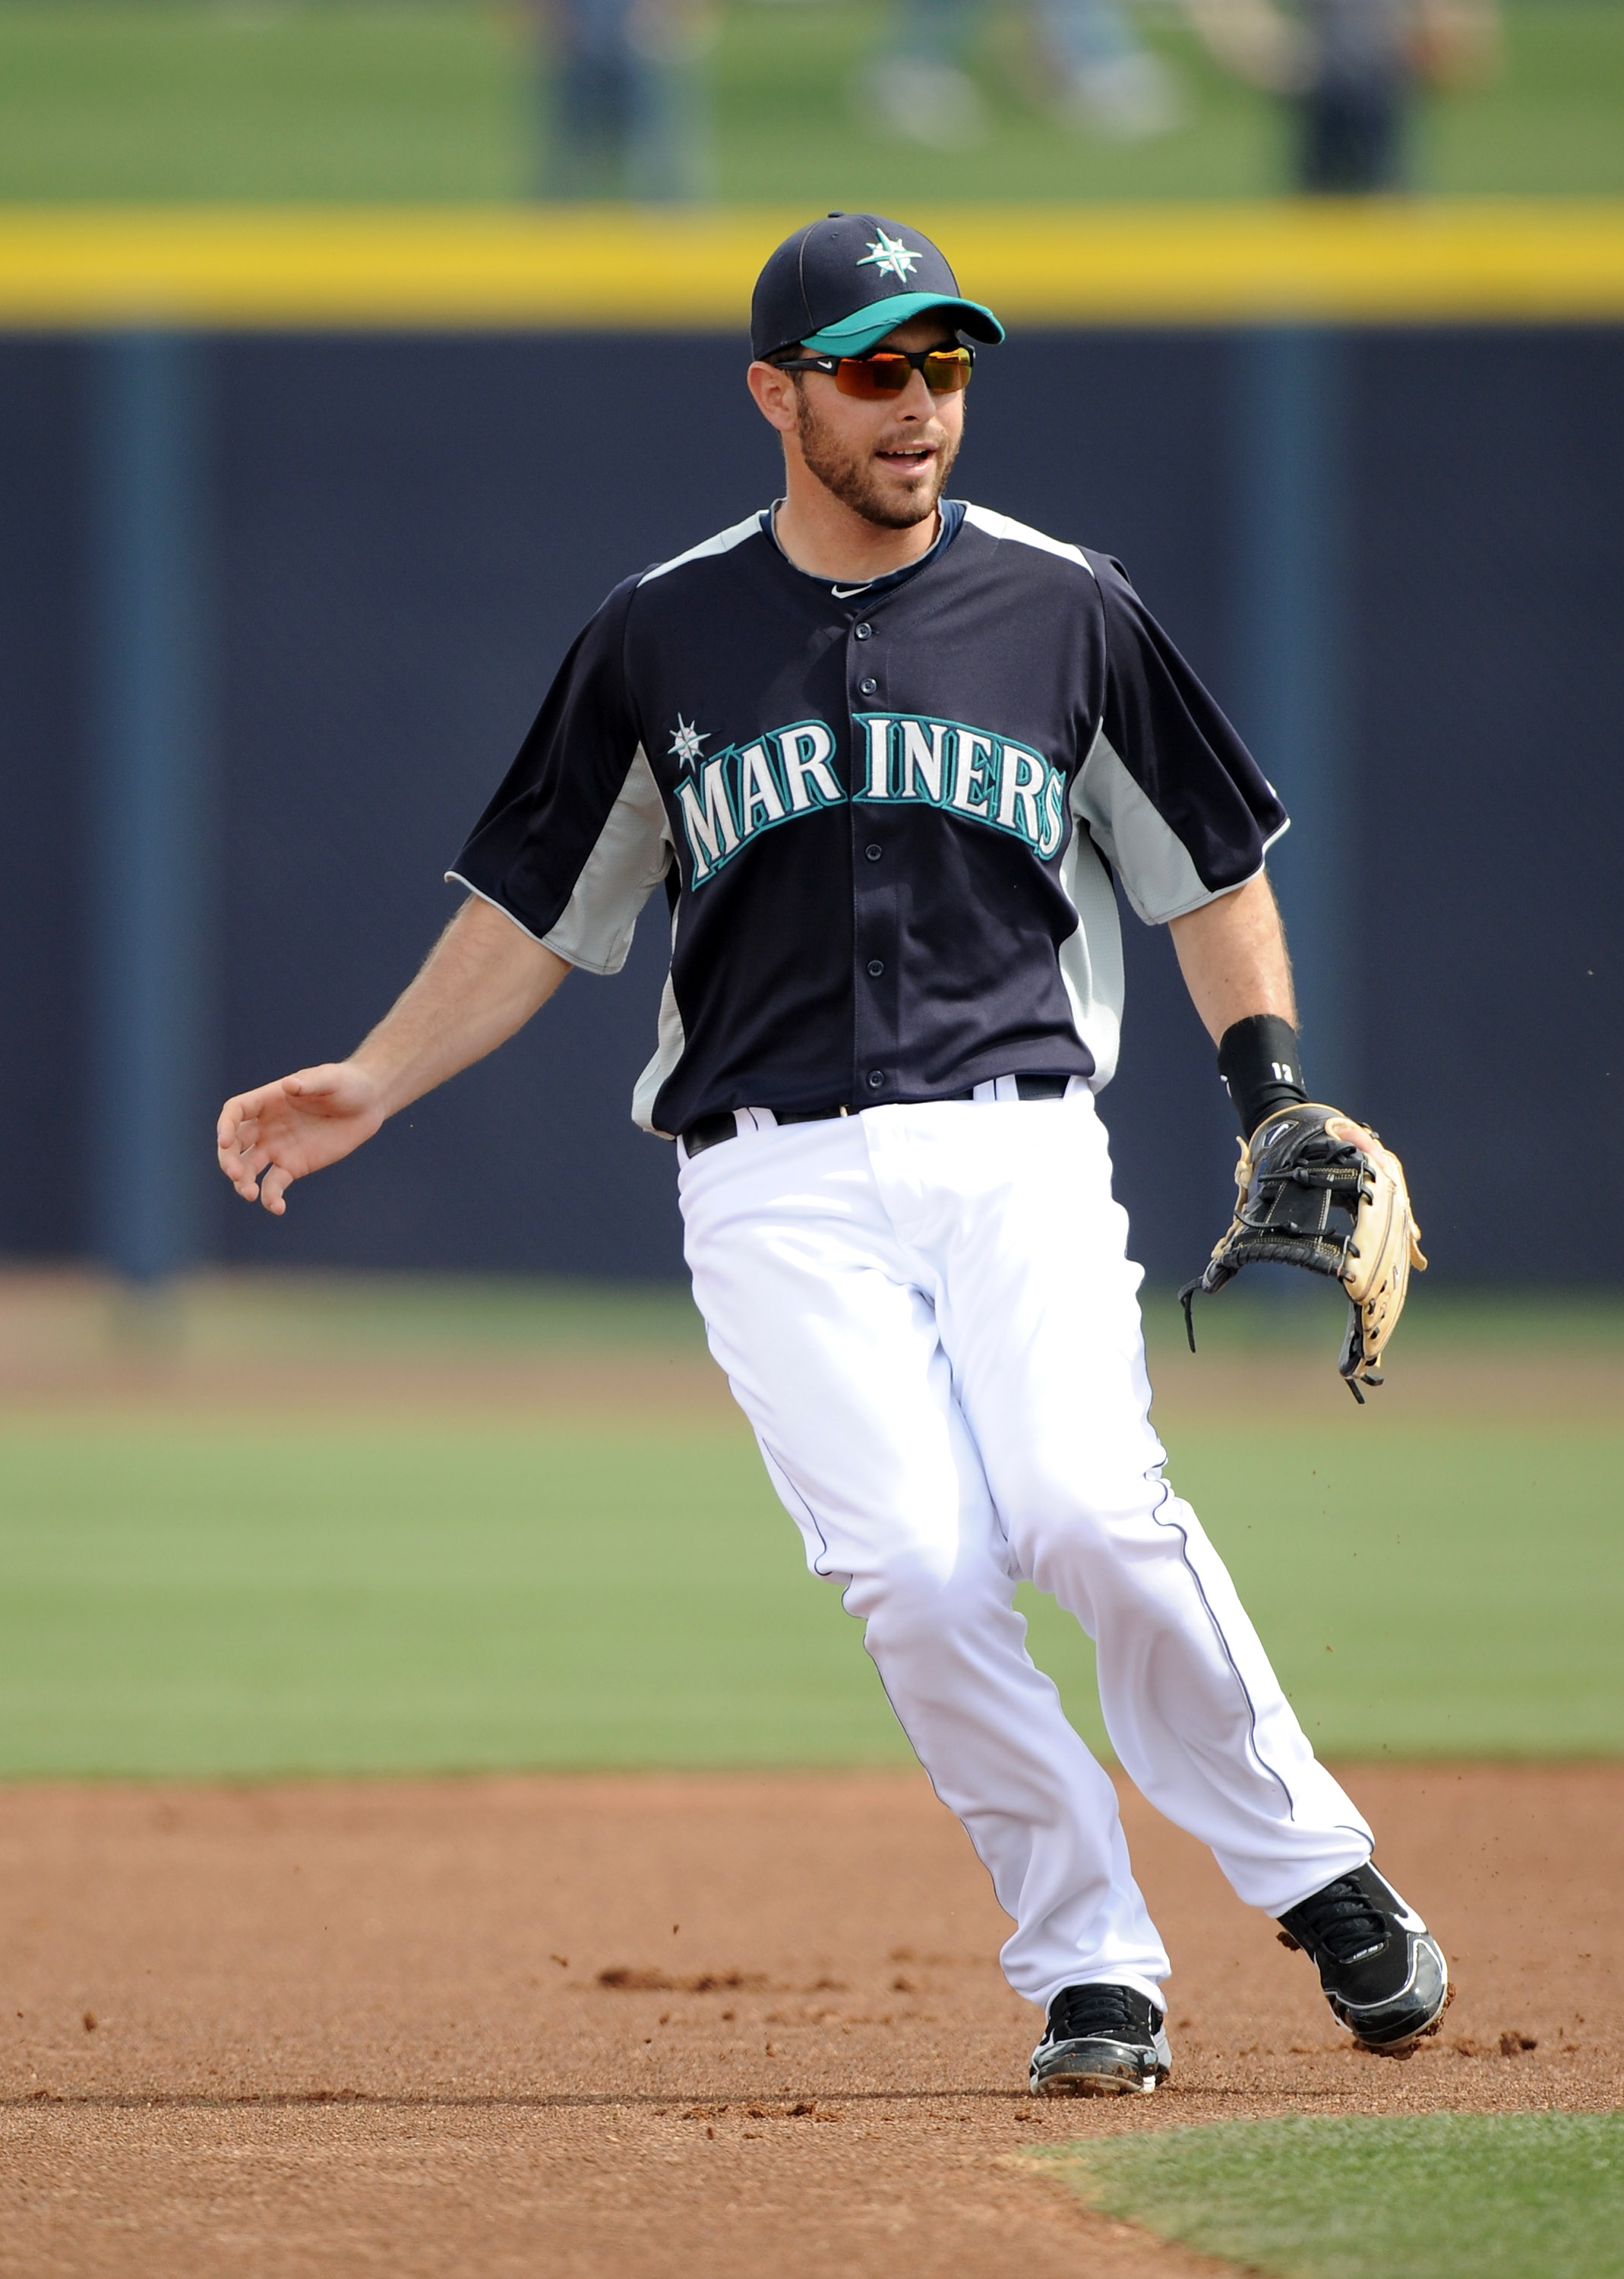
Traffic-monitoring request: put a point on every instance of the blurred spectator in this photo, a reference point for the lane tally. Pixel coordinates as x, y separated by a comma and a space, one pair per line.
1351, 70
621, 99
1100, 75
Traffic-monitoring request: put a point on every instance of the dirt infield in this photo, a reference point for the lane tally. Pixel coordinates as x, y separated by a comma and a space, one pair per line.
605, 2028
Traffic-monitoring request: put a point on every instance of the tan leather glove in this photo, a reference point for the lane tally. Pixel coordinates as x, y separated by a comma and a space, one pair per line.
1319, 1191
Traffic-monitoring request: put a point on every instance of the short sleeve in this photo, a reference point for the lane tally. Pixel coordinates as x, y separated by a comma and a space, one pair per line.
1169, 793
576, 837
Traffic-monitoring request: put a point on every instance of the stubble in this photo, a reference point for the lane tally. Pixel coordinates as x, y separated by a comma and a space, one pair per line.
854, 478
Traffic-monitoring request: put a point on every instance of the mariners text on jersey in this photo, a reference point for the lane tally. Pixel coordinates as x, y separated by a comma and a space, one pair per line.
886, 818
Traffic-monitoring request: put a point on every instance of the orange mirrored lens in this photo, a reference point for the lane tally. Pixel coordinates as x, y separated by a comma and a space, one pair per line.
947, 371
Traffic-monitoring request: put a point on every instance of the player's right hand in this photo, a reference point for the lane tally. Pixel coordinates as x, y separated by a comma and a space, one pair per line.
267, 1138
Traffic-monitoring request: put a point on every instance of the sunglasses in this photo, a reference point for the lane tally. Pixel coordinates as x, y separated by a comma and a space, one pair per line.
888, 370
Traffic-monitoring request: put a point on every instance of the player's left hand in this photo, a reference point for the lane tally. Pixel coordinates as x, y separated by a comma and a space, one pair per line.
1319, 1191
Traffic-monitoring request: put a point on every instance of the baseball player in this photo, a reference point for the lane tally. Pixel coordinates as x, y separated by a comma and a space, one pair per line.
883, 753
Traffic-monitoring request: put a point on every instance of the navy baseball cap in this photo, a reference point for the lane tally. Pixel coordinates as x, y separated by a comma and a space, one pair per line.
842, 283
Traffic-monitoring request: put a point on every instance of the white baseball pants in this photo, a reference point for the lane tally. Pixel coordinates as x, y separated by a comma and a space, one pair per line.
930, 1318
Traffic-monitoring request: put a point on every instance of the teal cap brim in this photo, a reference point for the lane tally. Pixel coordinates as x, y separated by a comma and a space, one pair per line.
856, 335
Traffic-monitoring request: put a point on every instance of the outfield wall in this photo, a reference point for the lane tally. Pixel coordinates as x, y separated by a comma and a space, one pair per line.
328, 572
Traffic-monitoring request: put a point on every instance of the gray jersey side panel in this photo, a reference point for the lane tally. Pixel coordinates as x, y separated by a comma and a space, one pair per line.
627, 864
1090, 959
1155, 865
669, 1047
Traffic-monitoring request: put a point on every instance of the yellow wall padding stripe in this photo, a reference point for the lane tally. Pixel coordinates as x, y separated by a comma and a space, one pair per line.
484, 268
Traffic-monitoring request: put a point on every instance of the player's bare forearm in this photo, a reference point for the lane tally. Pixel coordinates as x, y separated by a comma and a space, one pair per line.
479, 985
1232, 954
482, 980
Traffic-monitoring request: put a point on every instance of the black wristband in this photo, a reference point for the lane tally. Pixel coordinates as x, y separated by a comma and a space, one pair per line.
1258, 1061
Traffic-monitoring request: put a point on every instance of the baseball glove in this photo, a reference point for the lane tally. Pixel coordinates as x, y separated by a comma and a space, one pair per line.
1321, 1191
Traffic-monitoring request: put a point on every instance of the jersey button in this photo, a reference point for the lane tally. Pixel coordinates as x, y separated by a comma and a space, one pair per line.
874, 853
876, 1077
867, 687
862, 633
876, 966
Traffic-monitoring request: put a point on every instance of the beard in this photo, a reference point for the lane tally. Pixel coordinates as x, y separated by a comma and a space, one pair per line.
855, 480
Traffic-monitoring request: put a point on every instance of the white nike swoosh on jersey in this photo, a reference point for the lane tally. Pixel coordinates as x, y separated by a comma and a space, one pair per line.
844, 593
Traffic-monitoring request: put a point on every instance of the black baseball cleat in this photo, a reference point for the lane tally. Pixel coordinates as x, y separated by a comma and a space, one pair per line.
1383, 1973
1100, 2041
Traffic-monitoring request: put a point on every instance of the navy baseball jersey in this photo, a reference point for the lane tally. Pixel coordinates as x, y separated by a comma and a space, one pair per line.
885, 816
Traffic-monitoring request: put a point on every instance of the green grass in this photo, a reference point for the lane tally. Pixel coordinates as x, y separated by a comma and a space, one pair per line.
236, 1602
329, 1595
428, 100
788, 126
1553, 119
1455, 1592
157, 99
1502, 2196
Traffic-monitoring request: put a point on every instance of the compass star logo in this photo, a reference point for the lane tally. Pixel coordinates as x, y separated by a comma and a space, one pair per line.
685, 743
889, 256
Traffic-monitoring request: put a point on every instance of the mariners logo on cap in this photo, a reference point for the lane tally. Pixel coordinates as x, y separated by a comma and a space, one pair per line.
889, 256
685, 743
